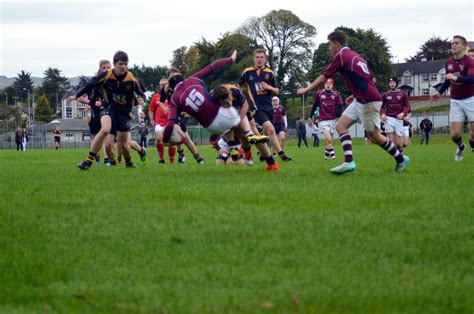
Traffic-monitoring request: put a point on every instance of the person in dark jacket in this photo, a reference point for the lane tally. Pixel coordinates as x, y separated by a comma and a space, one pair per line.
425, 126
143, 131
301, 132
18, 139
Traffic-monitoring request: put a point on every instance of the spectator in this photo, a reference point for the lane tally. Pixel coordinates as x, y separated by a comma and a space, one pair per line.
18, 139
25, 139
425, 126
314, 133
301, 132
143, 131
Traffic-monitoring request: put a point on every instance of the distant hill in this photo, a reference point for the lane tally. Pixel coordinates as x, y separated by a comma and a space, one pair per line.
7, 81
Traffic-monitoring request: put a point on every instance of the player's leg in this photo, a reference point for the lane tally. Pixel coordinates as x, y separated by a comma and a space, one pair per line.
348, 118
262, 147
329, 150
124, 139
139, 149
270, 131
106, 124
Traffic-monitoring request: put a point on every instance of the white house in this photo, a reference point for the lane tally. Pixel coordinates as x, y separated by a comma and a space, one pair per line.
419, 77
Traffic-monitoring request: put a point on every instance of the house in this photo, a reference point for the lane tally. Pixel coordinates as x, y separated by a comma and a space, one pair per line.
72, 109
73, 130
419, 78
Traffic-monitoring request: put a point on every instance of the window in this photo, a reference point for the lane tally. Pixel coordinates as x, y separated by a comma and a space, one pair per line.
433, 76
407, 80
68, 112
425, 91
86, 136
69, 137
425, 77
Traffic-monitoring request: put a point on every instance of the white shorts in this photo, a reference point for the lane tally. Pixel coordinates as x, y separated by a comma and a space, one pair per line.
328, 125
226, 119
159, 128
368, 114
406, 131
462, 110
393, 125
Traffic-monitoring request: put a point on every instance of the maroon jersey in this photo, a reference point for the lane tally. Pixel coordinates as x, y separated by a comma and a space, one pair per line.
394, 103
278, 113
356, 73
327, 103
192, 97
461, 67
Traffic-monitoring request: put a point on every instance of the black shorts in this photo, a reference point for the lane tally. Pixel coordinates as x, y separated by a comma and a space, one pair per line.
250, 114
279, 128
263, 116
110, 113
94, 125
181, 121
57, 139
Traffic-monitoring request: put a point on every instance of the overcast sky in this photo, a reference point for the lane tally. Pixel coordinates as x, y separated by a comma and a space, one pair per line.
74, 35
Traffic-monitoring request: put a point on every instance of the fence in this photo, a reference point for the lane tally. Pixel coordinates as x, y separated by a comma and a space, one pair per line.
38, 137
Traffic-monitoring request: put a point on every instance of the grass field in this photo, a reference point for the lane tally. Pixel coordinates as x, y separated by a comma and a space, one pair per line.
203, 239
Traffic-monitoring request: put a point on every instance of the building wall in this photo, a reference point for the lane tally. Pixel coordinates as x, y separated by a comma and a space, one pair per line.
423, 84
72, 109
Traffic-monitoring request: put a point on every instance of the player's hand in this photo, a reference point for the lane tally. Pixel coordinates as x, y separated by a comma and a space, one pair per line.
349, 100
451, 77
383, 116
302, 91
142, 114
264, 85
141, 102
435, 97
98, 103
400, 116
234, 55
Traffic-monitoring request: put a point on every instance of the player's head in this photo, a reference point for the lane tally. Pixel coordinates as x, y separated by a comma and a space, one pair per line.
120, 62
174, 81
259, 58
222, 95
470, 53
458, 45
337, 40
104, 65
393, 82
275, 101
329, 84
164, 84
173, 71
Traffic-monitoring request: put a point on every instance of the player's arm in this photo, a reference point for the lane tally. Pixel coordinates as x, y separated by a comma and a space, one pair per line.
151, 112
318, 82
468, 79
204, 73
285, 120
89, 87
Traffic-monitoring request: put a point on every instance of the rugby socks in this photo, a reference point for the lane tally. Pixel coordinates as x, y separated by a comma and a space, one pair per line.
330, 151
248, 133
181, 152
458, 141
97, 158
392, 150
197, 156
128, 161
346, 142
247, 152
471, 143
213, 141
172, 153
161, 150
270, 160
91, 157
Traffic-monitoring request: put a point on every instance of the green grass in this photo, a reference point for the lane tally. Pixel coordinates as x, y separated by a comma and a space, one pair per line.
438, 108
204, 239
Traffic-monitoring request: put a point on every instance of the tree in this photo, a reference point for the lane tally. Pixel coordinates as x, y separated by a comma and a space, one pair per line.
434, 48
23, 83
287, 40
55, 86
11, 113
185, 59
83, 81
43, 110
369, 44
149, 76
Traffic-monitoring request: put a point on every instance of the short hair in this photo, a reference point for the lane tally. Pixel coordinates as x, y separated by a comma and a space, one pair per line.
220, 92
103, 61
172, 71
259, 50
338, 36
120, 56
470, 50
462, 38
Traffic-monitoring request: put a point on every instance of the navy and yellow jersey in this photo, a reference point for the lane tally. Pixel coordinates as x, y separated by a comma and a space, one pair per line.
238, 98
117, 90
258, 97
